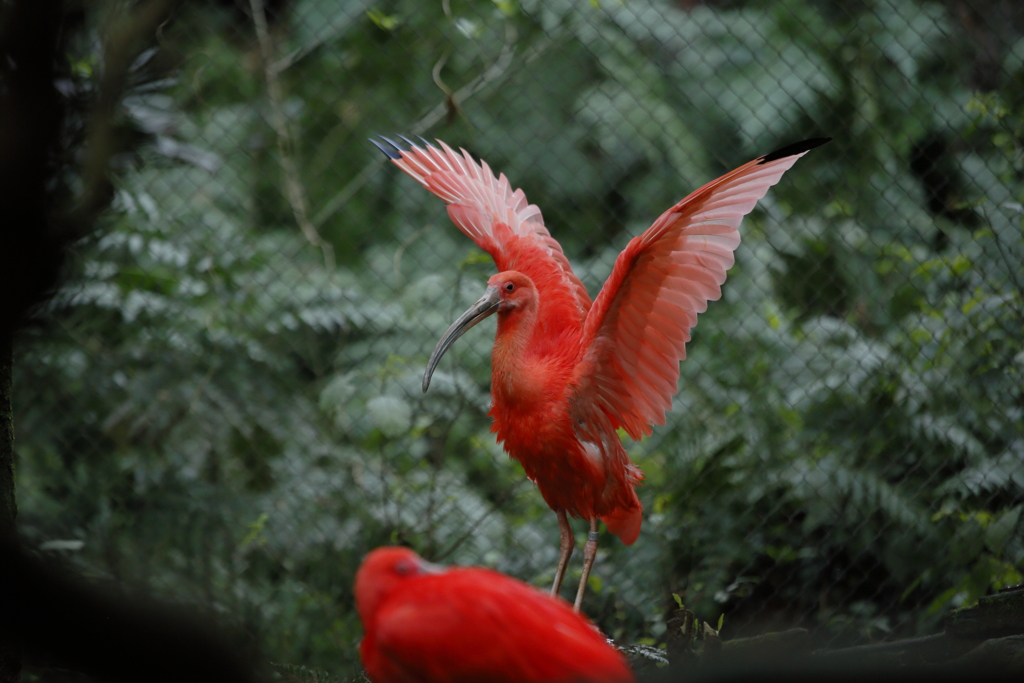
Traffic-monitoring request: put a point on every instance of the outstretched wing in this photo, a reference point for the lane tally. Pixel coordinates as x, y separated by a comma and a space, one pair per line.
499, 220
636, 333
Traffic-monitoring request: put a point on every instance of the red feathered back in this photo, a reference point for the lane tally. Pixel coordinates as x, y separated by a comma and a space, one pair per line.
468, 625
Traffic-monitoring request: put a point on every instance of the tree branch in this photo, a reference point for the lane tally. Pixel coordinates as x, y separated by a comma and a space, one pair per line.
294, 190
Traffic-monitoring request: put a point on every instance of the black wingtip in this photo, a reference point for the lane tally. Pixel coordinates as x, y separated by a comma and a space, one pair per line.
795, 148
390, 154
398, 148
409, 142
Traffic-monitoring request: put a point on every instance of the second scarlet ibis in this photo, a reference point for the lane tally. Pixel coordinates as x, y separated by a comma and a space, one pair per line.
427, 624
566, 372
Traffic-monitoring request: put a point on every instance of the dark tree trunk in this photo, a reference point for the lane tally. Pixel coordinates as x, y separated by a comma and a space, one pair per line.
8, 507
10, 655
30, 124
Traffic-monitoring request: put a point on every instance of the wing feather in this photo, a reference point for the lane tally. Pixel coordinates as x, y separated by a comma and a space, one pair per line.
500, 221
636, 332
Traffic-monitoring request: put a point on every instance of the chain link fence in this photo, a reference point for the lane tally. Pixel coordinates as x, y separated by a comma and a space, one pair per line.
226, 407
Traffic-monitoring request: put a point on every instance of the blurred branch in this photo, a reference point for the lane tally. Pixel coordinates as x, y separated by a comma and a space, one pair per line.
994, 615
294, 190
494, 73
126, 33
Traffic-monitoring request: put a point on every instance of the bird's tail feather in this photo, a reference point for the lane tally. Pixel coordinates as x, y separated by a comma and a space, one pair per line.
625, 524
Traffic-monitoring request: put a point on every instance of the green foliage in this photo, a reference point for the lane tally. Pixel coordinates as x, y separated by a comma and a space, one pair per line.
222, 416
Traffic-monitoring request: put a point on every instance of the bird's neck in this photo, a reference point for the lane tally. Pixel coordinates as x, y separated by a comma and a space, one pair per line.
512, 363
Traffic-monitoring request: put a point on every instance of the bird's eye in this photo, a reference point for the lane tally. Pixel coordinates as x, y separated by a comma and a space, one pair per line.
509, 286
403, 568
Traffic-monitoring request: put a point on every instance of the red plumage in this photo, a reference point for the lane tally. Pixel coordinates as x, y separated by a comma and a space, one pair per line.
568, 372
424, 624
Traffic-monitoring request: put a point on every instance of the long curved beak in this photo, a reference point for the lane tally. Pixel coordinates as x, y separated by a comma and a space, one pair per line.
486, 305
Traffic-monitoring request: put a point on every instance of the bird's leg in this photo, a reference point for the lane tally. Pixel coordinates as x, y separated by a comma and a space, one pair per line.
589, 553
566, 543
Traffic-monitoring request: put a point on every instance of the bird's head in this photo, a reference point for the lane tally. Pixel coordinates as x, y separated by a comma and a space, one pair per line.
514, 290
383, 570
508, 293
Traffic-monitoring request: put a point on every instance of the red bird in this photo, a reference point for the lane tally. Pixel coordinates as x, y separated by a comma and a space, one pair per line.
567, 373
426, 624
